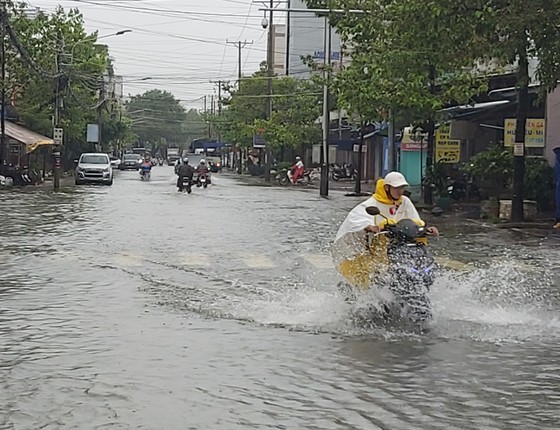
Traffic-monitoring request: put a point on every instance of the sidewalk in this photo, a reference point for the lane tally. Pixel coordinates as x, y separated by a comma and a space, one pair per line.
459, 213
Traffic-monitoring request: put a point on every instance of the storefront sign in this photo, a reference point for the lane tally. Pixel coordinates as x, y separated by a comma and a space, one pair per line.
447, 150
534, 132
414, 142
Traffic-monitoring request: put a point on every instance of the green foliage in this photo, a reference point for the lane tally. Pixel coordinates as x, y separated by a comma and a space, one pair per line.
157, 117
194, 126
436, 175
409, 57
296, 106
32, 79
539, 182
493, 168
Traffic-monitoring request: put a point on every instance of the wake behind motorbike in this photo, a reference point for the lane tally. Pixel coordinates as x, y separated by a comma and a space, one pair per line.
411, 271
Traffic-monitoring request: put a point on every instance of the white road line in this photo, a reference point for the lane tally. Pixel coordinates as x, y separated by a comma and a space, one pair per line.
257, 261
129, 259
320, 261
196, 260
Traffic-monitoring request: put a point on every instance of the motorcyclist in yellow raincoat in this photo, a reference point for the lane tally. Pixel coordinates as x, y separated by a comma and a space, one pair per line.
355, 257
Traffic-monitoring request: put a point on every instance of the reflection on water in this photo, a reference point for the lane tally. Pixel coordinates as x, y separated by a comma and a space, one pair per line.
135, 306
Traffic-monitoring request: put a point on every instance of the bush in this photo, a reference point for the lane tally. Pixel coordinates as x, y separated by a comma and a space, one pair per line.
539, 182
493, 168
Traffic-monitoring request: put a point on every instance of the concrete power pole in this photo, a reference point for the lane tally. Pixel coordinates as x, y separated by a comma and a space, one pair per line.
239, 45
57, 130
4, 152
269, 61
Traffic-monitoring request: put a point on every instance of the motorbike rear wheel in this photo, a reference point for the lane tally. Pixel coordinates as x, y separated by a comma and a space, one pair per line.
284, 180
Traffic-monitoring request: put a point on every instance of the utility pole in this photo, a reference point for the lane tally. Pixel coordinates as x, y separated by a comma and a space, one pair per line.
219, 84
3, 149
239, 45
57, 130
288, 31
324, 186
269, 60
100, 115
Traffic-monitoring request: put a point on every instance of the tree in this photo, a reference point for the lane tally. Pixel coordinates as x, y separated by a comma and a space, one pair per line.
410, 58
524, 31
194, 125
37, 45
157, 118
296, 106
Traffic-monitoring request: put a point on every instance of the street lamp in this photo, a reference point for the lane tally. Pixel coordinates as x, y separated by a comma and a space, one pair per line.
87, 39
324, 188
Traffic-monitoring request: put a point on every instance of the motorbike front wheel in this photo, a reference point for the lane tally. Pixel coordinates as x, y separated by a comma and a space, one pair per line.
284, 180
335, 176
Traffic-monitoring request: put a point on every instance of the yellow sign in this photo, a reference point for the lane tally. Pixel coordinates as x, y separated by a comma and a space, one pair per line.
447, 150
534, 132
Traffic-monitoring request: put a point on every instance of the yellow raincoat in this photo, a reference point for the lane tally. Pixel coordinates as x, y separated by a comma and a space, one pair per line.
355, 258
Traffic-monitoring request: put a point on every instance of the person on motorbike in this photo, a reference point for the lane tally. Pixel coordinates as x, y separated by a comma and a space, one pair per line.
296, 171
185, 170
353, 256
146, 166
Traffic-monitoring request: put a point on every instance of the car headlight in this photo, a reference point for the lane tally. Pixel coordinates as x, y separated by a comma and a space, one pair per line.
79, 169
107, 170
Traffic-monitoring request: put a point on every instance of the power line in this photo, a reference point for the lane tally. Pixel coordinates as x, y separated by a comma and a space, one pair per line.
240, 45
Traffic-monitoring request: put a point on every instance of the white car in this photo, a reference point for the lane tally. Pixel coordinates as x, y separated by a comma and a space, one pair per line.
94, 167
115, 162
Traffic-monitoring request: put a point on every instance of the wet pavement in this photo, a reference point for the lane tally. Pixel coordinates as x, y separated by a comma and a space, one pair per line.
137, 307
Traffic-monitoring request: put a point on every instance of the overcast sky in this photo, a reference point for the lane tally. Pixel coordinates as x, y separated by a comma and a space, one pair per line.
179, 44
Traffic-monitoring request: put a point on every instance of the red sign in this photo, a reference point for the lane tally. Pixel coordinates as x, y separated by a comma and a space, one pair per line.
414, 146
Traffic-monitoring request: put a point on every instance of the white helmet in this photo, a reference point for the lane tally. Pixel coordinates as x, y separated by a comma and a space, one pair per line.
298, 158
203, 161
186, 160
396, 180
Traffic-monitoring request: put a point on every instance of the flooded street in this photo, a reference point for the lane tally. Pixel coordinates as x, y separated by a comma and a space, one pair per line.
138, 307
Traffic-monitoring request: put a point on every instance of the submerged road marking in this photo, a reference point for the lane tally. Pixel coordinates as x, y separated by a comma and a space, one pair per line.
320, 261
258, 261
129, 259
195, 260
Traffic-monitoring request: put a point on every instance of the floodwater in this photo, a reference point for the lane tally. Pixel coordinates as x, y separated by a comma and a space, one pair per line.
138, 307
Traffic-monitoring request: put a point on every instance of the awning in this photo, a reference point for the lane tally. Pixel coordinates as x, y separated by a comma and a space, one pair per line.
29, 138
458, 111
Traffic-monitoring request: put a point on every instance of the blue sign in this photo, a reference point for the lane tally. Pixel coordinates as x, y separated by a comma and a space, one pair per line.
320, 55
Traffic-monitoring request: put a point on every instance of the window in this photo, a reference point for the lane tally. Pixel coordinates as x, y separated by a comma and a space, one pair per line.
95, 159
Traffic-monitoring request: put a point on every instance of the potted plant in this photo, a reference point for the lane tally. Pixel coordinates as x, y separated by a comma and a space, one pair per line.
493, 169
437, 178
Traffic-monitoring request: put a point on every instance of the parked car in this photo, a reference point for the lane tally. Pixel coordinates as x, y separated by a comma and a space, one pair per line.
131, 162
94, 168
115, 162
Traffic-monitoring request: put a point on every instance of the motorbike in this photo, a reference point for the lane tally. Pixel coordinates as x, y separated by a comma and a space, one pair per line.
186, 185
145, 174
346, 171
457, 190
160, 161
202, 180
284, 179
411, 271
